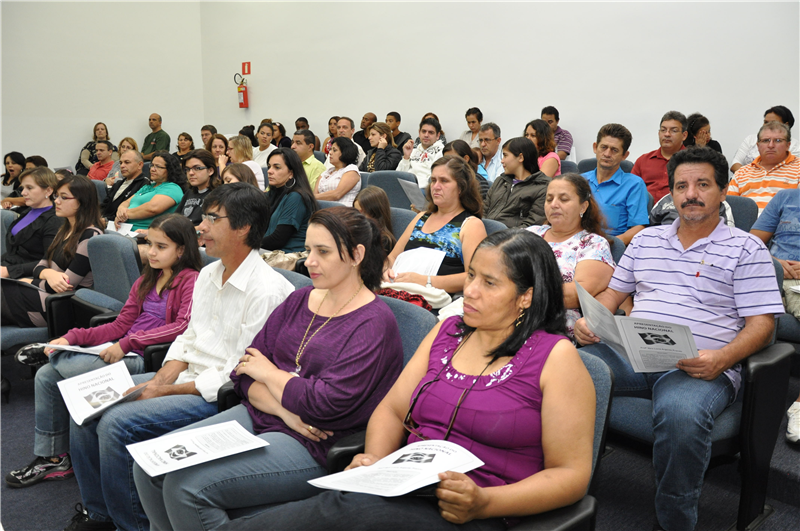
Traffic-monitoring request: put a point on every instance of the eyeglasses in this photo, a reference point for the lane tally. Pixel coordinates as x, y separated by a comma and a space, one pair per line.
196, 169
212, 218
776, 141
162, 168
62, 198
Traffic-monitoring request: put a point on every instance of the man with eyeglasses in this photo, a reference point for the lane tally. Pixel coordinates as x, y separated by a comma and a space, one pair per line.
130, 167
489, 139
652, 167
232, 299
774, 169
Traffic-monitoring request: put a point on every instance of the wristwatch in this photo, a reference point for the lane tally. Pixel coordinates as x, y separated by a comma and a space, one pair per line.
428, 285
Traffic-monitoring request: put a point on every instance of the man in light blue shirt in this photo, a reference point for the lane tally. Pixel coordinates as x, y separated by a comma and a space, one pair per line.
489, 138
622, 196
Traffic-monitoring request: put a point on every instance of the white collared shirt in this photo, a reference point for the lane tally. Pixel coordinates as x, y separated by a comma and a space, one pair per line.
495, 166
225, 319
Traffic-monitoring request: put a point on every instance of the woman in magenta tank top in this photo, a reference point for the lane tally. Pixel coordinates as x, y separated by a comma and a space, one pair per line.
503, 382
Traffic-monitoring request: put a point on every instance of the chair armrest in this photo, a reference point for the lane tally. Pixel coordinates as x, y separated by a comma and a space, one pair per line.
58, 308
580, 515
154, 356
227, 397
345, 449
103, 318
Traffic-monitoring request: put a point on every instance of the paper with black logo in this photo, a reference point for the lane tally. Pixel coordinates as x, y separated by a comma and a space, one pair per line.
87, 396
183, 449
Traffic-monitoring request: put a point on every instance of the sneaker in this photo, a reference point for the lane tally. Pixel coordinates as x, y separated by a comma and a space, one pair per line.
82, 522
40, 469
32, 355
793, 427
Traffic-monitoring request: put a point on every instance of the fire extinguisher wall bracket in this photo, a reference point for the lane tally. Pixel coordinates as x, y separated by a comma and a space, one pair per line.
241, 88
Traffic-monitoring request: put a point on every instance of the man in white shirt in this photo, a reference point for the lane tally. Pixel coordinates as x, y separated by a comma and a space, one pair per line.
489, 138
346, 127
231, 302
418, 160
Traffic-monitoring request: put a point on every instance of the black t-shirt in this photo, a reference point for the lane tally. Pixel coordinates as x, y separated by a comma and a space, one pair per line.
191, 205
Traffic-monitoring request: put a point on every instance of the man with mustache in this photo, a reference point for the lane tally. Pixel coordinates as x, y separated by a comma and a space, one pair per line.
701, 273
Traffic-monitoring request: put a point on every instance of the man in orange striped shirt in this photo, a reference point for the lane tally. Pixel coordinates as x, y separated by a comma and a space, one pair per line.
775, 168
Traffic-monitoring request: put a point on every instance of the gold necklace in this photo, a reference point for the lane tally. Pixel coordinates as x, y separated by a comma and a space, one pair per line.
303, 342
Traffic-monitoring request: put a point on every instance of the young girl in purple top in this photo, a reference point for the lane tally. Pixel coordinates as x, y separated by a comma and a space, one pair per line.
157, 311
504, 382
323, 361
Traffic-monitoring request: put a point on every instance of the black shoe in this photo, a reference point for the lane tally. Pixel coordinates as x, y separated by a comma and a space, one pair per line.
82, 522
32, 355
40, 469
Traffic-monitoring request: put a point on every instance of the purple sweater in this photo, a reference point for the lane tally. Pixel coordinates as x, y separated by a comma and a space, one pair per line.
347, 368
499, 420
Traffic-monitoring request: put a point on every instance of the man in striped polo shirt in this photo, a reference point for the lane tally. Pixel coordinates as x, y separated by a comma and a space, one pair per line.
719, 281
775, 168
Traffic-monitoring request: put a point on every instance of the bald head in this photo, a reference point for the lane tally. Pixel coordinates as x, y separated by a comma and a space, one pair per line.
368, 120
155, 122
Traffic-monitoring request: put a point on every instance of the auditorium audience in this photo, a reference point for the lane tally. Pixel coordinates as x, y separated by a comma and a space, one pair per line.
29, 236
265, 146
345, 129
291, 203
460, 148
400, 138
341, 182
65, 266
303, 145
383, 154
748, 151
88, 154
491, 154
374, 203
562, 137
238, 173
100, 169
699, 133
232, 299
774, 169
157, 140
131, 181
202, 175
301, 124
622, 196
451, 223
362, 137
538, 132
418, 160
240, 150
157, 311
160, 196
333, 132
516, 197
574, 231
185, 146
279, 136
474, 118
477, 381
114, 174
652, 167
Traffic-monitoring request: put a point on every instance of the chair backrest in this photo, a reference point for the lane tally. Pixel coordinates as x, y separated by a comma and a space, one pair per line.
401, 217
406, 176
650, 202
617, 249
414, 323
567, 166
364, 178
296, 279
387, 181
102, 190
115, 264
590, 164
207, 259
745, 211
328, 204
146, 170
320, 156
603, 380
8, 218
493, 226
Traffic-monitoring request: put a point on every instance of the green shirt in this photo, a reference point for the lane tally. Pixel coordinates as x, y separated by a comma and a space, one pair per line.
155, 142
148, 192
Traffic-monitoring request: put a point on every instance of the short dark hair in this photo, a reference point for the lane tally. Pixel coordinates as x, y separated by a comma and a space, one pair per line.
678, 117
550, 110
699, 155
617, 131
394, 114
348, 148
785, 114
432, 122
696, 121
245, 206
523, 146
493, 127
249, 132
530, 264
308, 137
210, 128
776, 126
106, 143
469, 191
302, 119
476, 111
352, 123
351, 228
39, 161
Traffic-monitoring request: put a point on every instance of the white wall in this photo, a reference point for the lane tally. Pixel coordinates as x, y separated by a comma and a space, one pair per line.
597, 62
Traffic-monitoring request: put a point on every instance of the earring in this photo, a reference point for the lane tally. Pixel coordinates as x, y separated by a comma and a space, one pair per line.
288, 186
521, 316
581, 214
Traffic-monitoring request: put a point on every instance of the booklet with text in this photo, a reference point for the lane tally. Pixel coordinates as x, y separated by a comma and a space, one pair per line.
649, 346
183, 449
89, 395
410, 468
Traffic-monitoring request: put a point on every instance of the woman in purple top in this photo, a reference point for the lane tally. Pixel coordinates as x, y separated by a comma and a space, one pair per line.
504, 382
323, 361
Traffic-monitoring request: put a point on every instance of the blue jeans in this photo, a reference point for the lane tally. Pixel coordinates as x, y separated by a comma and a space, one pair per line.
52, 417
197, 497
684, 409
103, 465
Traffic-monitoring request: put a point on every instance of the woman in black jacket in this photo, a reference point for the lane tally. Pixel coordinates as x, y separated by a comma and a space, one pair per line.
384, 154
29, 236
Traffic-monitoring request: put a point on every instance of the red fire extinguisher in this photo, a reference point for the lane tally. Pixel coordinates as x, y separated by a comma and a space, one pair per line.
241, 87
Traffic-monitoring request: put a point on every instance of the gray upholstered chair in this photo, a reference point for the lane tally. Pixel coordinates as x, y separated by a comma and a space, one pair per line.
567, 166
745, 211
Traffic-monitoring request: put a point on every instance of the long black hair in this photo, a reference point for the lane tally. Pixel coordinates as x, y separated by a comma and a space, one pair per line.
298, 183
18, 158
181, 231
529, 263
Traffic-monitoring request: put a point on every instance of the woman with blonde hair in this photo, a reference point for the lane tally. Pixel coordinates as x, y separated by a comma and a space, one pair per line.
240, 150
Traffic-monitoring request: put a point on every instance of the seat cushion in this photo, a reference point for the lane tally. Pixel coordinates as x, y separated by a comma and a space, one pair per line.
14, 335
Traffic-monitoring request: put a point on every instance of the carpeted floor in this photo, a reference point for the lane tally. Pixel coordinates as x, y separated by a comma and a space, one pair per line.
625, 491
